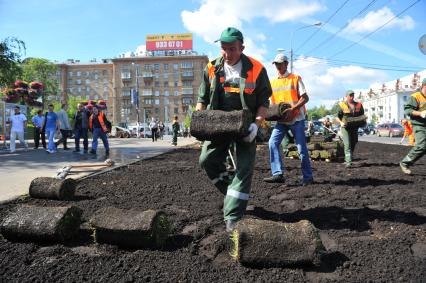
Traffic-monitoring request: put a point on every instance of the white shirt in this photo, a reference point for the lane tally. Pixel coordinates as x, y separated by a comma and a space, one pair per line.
233, 73
17, 122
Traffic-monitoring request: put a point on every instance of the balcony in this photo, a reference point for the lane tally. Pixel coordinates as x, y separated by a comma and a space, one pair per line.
126, 76
188, 75
148, 75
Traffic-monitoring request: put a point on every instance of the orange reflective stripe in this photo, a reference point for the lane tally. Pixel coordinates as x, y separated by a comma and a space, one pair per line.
101, 121
231, 89
252, 75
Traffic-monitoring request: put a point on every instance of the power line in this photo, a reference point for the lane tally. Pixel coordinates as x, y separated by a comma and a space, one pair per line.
316, 31
328, 39
371, 33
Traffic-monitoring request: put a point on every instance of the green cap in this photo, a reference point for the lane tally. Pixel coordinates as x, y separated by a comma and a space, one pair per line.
230, 35
424, 82
350, 92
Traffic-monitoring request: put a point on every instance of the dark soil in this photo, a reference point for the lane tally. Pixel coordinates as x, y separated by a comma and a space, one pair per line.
372, 220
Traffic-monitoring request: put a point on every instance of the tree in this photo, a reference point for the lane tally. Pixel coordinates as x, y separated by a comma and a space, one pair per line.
11, 50
187, 121
41, 70
335, 109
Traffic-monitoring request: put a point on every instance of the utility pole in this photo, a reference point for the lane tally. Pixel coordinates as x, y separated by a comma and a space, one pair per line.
317, 24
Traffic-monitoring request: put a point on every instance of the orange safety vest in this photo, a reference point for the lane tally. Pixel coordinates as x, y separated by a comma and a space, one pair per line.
421, 100
286, 90
250, 83
408, 129
101, 116
346, 109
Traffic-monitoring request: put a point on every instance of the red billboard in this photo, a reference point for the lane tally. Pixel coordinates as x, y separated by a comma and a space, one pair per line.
182, 41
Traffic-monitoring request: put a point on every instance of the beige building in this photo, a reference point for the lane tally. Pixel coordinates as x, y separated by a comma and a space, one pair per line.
167, 86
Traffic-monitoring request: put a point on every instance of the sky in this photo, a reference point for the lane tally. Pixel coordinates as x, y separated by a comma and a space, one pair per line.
359, 42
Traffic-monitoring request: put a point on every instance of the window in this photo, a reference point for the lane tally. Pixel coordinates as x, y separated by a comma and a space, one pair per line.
147, 101
176, 111
148, 84
166, 101
166, 75
79, 90
187, 83
87, 74
125, 74
156, 67
157, 93
96, 97
88, 82
148, 67
105, 81
157, 101
176, 93
187, 100
166, 66
157, 84
157, 111
146, 92
87, 89
78, 73
78, 82
157, 75
105, 88
70, 73
126, 92
176, 83
166, 84
186, 65
166, 93
175, 67
188, 74
187, 91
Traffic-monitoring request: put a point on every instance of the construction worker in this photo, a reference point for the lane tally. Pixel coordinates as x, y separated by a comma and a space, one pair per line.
99, 125
349, 108
176, 129
416, 109
290, 89
408, 131
233, 81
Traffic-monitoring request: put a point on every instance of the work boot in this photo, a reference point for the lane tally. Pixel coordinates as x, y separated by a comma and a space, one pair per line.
404, 168
307, 182
348, 164
230, 225
92, 151
275, 179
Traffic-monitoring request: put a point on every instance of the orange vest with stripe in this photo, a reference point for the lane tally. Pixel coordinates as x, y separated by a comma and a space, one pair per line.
347, 110
286, 90
250, 83
421, 100
101, 116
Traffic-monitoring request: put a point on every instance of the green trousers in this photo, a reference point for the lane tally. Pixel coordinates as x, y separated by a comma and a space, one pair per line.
287, 140
175, 138
236, 188
419, 149
350, 139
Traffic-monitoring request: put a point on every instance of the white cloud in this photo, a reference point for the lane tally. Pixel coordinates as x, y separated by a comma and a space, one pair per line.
213, 16
375, 19
325, 84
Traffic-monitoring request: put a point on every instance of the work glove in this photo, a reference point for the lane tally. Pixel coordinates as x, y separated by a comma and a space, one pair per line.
252, 133
342, 124
423, 114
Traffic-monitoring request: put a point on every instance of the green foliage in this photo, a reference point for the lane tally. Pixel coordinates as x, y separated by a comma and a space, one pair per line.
316, 113
187, 121
41, 70
11, 50
72, 105
374, 119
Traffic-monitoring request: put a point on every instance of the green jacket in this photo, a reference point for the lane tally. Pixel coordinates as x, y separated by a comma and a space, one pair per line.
209, 95
409, 107
176, 127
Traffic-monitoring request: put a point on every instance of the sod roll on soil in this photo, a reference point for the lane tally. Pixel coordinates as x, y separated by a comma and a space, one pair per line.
217, 124
264, 243
130, 228
42, 224
276, 111
51, 188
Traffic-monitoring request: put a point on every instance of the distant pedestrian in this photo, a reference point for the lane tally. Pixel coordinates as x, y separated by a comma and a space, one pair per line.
38, 121
176, 128
154, 129
415, 107
65, 126
50, 127
98, 125
17, 128
161, 129
408, 131
81, 126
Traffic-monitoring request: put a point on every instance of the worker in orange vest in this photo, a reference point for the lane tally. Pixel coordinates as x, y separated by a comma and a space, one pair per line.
408, 131
98, 124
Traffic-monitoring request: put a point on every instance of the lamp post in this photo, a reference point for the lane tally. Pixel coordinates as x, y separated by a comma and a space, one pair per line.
317, 24
136, 93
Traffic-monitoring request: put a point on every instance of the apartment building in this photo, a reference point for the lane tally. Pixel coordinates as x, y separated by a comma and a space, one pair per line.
166, 86
385, 102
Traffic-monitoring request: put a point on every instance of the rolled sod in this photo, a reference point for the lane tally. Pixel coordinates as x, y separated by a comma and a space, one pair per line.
313, 146
292, 147
315, 154
264, 243
293, 154
42, 224
218, 125
317, 139
130, 228
331, 145
276, 111
51, 188
358, 121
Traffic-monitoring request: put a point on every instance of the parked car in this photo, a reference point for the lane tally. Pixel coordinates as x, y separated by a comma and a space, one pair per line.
389, 130
119, 132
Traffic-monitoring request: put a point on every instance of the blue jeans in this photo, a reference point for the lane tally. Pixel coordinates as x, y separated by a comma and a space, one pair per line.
99, 133
298, 130
81, 133
50, 133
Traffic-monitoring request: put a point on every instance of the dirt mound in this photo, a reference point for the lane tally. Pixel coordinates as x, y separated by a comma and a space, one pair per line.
372, 221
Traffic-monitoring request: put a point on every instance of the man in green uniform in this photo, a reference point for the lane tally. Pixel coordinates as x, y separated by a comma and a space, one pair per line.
416, 109
233, 81
349, 108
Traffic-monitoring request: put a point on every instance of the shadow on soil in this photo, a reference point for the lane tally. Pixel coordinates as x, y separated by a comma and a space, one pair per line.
325, 218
